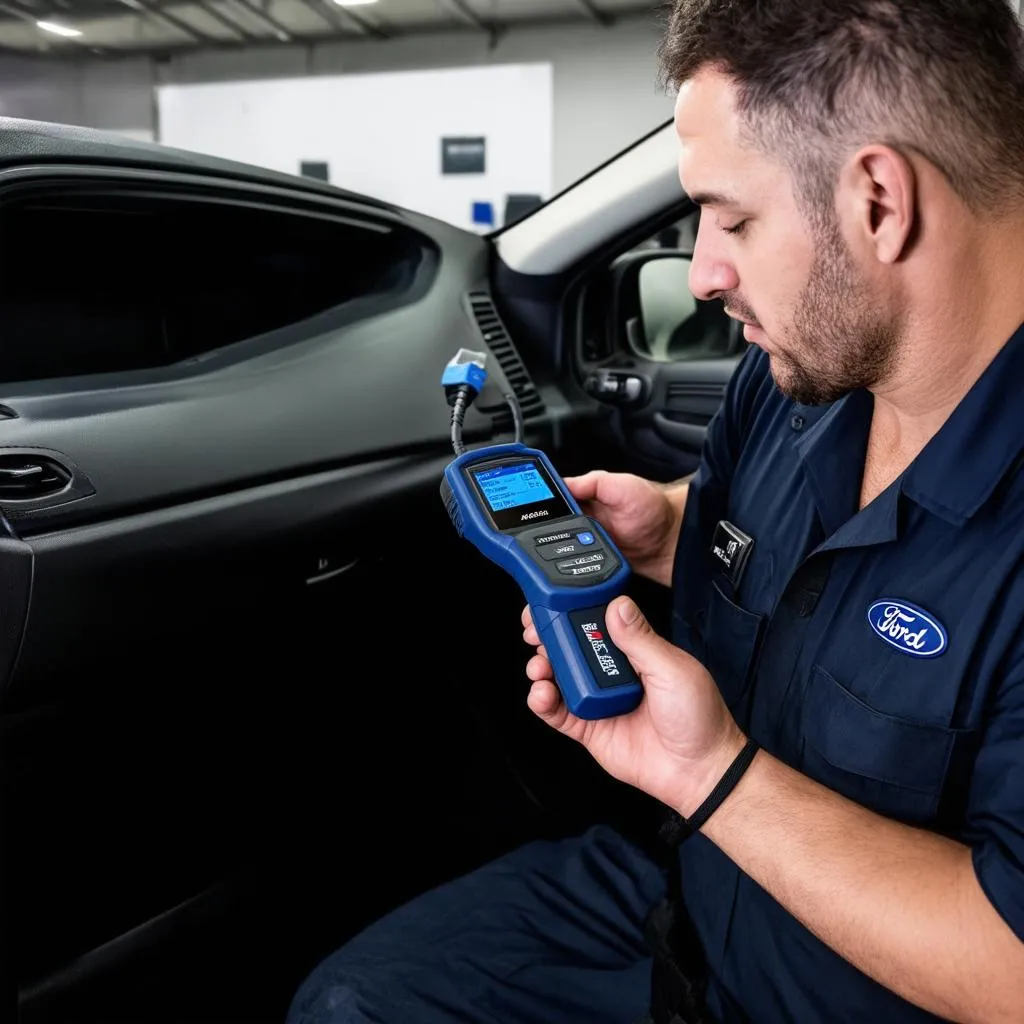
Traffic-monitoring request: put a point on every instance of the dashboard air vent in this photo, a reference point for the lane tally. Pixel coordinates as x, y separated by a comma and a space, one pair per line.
497, 340
24, 478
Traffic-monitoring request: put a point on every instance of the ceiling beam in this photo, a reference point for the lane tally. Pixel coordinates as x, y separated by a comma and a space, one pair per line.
362, 25
466, 13
601, 17
173, 21
148, 48
322, 13
16, 9
17, 12
341, 20
238, 31
282, 34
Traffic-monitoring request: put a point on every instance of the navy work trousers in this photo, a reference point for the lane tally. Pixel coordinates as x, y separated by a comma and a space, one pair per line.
552, 933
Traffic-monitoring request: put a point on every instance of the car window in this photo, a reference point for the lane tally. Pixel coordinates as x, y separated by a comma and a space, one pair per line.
192, 276
681, 234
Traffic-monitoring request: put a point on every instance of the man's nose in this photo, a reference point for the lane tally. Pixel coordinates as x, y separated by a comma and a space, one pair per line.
711, 272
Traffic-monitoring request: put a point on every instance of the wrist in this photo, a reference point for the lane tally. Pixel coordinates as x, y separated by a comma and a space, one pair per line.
660, 567
701, 781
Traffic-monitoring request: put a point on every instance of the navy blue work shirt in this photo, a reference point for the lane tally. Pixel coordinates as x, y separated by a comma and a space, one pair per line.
879, 652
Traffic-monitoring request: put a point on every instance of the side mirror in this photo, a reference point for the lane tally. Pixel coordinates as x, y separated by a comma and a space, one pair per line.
657, 316
666, 303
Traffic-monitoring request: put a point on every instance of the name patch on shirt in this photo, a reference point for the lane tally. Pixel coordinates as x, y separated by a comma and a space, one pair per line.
731, 548
908, 628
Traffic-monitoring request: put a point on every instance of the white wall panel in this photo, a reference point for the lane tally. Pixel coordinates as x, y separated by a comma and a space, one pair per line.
380, 133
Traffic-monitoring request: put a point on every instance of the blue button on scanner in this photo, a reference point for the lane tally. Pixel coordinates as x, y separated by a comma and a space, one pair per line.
585, 538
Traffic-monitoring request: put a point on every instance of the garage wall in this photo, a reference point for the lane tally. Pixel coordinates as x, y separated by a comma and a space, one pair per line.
381, 133
604, 81
107, 94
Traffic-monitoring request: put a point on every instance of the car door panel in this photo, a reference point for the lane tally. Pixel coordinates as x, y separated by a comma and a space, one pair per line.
688, 396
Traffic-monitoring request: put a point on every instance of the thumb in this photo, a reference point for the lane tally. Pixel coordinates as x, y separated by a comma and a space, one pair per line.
630, 631
584, 488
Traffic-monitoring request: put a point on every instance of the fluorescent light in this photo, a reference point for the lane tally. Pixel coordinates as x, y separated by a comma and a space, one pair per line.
354, 3
59, 30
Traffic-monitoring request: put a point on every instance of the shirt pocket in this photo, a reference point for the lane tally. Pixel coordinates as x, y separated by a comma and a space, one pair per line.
730, 642
893, 765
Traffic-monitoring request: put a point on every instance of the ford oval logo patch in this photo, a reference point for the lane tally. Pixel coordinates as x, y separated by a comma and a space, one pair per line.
907, 628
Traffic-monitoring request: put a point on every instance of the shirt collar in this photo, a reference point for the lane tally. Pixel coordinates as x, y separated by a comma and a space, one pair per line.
952, 477
832, 451
957, 471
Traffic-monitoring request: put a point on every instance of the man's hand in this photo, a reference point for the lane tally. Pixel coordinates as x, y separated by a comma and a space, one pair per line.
681, 739
901, 904
642, 517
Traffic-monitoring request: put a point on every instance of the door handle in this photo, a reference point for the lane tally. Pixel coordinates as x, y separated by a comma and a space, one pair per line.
684, 435
617, 387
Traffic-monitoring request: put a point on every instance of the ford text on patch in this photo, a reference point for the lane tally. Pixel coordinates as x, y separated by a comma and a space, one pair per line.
907, 628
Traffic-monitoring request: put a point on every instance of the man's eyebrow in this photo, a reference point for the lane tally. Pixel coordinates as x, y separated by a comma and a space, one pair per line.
712, 199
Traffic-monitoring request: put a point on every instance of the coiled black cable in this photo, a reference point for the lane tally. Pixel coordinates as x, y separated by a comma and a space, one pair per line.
462, 399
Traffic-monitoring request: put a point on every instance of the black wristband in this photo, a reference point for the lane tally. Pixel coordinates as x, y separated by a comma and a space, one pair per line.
679, 828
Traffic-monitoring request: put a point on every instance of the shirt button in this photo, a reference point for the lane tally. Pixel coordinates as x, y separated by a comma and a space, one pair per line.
797, 422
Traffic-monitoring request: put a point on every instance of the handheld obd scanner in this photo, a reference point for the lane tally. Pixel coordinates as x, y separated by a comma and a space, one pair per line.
510, 502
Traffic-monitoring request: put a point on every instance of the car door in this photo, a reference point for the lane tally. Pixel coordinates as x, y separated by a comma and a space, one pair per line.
643, 362
654, 355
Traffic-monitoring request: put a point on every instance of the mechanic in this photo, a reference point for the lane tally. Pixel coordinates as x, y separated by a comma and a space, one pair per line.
860, 169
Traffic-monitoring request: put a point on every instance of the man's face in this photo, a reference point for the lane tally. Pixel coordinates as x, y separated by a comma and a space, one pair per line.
798, 290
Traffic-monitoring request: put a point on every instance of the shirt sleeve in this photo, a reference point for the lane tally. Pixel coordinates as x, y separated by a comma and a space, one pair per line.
995, 809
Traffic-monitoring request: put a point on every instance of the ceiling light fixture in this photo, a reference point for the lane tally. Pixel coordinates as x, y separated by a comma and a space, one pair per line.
354, 3
59, 30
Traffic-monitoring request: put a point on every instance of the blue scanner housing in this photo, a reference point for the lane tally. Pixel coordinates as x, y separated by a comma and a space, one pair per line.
510, 503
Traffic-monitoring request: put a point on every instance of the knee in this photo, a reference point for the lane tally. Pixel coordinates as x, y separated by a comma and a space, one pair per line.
332, 994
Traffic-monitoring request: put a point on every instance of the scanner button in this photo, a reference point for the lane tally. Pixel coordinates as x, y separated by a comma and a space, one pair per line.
591, 562
550, 538
585, 538
560, 549
582, 570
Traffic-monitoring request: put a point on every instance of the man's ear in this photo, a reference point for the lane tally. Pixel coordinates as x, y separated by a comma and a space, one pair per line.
879, 190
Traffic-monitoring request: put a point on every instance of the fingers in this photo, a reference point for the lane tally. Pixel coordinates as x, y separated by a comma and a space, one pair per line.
651, 655
628, 616
584, 488
546, 703
530, 634
538, 667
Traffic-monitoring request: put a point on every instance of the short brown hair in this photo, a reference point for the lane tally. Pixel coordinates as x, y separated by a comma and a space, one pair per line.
818, 78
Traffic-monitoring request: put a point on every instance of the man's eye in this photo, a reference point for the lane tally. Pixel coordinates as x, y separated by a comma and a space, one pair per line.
736, 229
